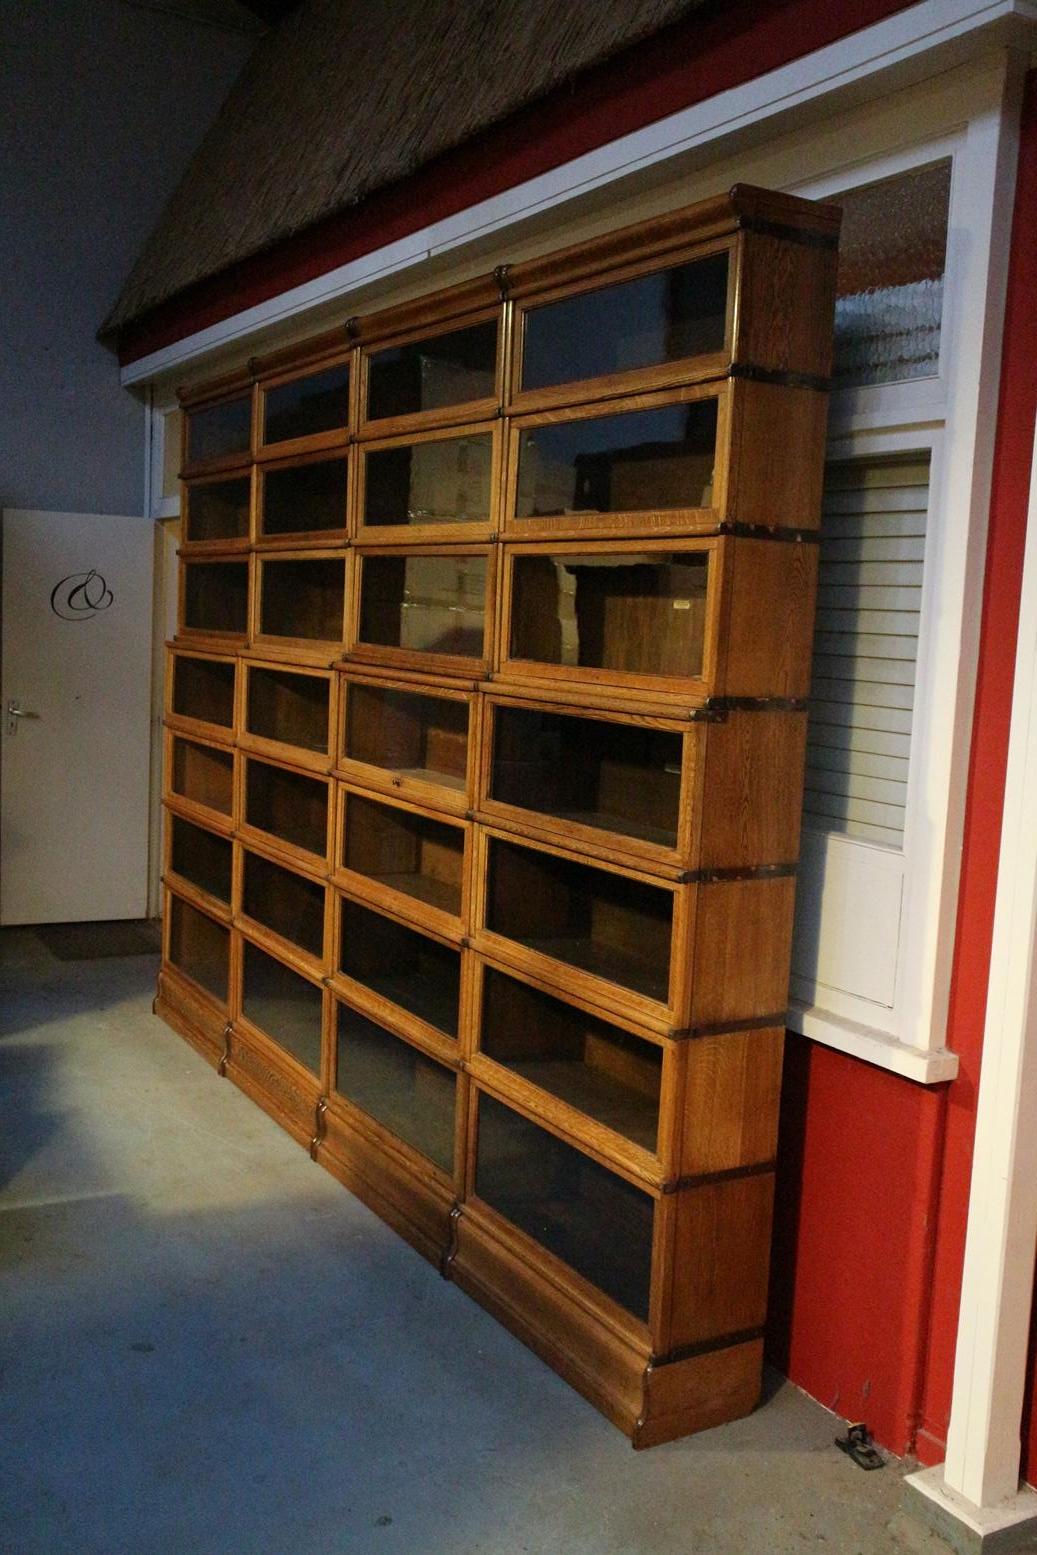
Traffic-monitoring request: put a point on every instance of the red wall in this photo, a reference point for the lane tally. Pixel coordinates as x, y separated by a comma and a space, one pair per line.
874, 1170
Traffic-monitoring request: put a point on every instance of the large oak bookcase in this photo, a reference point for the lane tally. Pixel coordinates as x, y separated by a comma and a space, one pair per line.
485, 732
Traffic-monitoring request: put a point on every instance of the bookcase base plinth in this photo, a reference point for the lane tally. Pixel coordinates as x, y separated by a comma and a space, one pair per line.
650, 1402
191, 1016
285, 1096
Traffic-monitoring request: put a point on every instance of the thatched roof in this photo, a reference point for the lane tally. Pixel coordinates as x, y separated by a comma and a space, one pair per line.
342, 99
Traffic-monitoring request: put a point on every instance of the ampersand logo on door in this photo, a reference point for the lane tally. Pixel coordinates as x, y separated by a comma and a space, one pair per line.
80, 596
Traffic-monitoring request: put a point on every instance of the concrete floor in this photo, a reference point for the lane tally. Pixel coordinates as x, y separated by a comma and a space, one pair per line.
208, 1347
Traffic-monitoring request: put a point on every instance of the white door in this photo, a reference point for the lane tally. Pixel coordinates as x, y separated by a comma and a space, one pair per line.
75, 711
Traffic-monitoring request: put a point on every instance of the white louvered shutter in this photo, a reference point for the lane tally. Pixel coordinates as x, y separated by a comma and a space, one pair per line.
865, 647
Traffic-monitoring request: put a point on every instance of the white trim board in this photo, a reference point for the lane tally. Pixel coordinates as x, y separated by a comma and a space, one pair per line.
933, 35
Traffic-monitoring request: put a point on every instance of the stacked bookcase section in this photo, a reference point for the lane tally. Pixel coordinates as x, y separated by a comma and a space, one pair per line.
485, 738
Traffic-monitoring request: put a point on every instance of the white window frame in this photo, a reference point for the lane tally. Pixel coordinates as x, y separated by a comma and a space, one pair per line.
852, 95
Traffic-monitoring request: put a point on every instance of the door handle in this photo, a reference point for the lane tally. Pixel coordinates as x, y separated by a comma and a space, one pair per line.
15, 710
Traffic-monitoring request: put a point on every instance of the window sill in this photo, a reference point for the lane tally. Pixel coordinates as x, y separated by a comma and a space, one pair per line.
926, 1066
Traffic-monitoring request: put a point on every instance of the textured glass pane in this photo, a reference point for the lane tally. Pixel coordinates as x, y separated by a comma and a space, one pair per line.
218, 510
219, 429
285, 902
596, 1067
442, 482
638, 613
610, 925
318, 403
402, 965
430, 604
594, 1221
199, 947
201, 857
634, 324
216, 596
410, 1095
411, 853
204, 774
288, 805
444, 370
288, 707
892, 258
417, 736
303, 599
636, 462
618, 777
204, 689
283, 1005
304, 497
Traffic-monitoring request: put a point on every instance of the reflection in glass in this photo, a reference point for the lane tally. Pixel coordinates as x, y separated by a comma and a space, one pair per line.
644, 461
201, 857
411, 853
303, 598
204, 689
283, 901
216, 596
444, 481
288, 805
288, 707
588, 1217
889, 292
618, 777
607, 924
282, 1004
304, 406
304, 498
199, 947
219, 430
596, 1067
410, 1095
637, 613
448, 369
218, 510
408, 968
408, 734
203, 774
628, 326
429, 604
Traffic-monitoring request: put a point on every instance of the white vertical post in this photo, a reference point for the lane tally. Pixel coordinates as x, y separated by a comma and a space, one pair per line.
982, 1462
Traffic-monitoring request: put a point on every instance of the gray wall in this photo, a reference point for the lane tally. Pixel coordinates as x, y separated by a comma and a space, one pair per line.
102, 103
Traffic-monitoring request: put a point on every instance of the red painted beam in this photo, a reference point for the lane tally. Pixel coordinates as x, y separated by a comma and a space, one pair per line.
718, 47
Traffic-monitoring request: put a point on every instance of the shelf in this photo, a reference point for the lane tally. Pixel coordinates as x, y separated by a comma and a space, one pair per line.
587, 1062
305, 405
219, 431
594, 1221
203, 774
289, 707
217, 510
200, 857
283, 1005
416, 737
607, 333
635, 613
308, 498
438, 482
202, 689
449, 370
409, 853
424, 604
286, 903
288, 806
198, 946
613, 926
573, 771
420, 974
302, 597
215, 597
408, 1093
